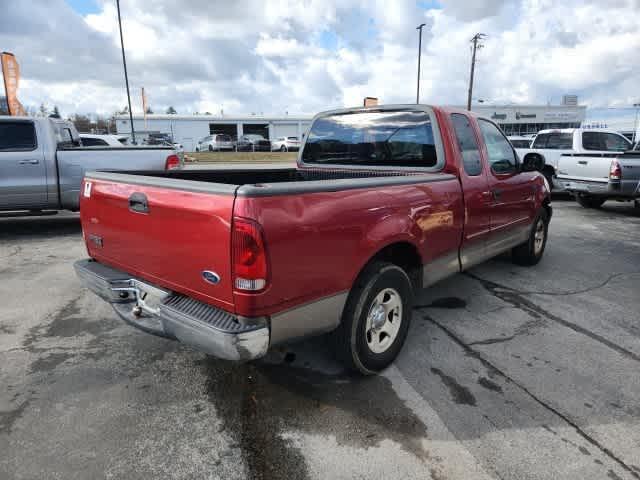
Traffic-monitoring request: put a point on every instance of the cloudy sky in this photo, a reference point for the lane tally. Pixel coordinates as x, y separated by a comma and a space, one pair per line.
303, 56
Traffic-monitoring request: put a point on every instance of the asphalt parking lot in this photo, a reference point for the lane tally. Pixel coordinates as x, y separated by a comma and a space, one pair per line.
508, 373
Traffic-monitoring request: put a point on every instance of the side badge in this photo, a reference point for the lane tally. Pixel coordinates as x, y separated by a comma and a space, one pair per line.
211, 277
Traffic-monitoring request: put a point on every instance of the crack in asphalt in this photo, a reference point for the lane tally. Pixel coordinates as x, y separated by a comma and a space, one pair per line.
559, 294
491, 367
492, 341
516, 299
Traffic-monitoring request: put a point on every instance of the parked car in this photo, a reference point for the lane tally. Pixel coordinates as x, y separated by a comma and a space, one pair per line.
216, 143
42, 163
550, 145
384, 201
285, 144
594, 179
163, 139
253, 143
520, 142
95, 140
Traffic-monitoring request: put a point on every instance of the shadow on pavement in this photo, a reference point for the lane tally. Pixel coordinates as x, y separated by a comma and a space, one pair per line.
39, 227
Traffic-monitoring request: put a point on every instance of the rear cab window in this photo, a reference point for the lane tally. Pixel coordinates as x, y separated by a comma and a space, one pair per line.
17, 136
385, 138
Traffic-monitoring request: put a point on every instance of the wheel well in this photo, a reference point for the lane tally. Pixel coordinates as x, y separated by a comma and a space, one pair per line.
406, 256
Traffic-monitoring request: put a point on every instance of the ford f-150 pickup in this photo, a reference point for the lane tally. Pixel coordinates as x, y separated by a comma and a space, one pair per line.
384, 201
42, 163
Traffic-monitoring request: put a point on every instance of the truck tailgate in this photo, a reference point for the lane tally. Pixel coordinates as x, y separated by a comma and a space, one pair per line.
168, 236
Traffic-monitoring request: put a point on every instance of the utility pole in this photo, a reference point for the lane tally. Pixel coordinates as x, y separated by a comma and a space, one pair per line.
126, 77
635, 123
419, 28
476, 41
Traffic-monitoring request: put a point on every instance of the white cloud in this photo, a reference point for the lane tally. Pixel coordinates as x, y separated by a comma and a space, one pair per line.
277, 55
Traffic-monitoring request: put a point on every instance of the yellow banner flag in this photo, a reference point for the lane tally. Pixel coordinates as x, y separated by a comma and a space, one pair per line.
11, 74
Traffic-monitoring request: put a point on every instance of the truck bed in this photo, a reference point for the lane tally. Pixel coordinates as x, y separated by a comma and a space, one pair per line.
169, 227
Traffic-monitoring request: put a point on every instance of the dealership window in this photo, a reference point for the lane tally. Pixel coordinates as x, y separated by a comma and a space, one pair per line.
17, 136
384, 138
467, 144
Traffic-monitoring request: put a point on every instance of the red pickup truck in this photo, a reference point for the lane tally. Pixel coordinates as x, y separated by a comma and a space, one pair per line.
384, 201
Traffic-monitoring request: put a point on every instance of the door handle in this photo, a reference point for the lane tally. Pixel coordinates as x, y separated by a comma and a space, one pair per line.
138, 203
496, 194
582, 162
33, 161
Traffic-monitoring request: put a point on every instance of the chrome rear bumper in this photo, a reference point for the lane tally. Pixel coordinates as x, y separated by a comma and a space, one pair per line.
171, 315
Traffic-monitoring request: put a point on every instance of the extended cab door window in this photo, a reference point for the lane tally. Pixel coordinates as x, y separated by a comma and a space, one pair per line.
387, 138
467, 144
502, 158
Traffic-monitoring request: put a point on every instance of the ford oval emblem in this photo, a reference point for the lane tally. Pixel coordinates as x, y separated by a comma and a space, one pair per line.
211, 277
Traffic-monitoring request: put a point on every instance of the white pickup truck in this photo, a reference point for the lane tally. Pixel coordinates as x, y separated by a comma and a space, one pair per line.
42, 163
550, 145
596, 178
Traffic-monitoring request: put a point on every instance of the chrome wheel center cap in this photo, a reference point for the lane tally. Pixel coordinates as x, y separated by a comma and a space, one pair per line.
377, 317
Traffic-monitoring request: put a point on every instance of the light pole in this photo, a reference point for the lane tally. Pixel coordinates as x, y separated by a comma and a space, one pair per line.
419, 28
126, 77
477, 38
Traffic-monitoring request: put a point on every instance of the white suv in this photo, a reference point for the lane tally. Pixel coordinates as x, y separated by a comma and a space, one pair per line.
285, 144
216, 143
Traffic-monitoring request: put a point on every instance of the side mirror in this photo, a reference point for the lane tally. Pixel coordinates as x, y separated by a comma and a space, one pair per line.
532, 163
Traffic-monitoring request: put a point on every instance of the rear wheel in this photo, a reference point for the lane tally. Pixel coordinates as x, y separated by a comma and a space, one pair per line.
375, 320
588, 201
283, 148
210, 148
531, 251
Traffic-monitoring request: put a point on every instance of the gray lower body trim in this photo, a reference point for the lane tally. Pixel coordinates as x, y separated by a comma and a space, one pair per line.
498, 242
314, 318
440, 268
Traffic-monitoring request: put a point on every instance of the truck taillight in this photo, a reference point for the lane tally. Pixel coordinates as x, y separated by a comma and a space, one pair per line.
249, 256
615, 172
173, 161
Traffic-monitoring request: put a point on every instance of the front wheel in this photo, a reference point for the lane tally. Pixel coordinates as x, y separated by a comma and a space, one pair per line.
375, 320
283, 148
530, 252
588, 201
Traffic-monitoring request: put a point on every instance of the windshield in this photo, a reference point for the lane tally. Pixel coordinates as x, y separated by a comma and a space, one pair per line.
293, 139
385, 138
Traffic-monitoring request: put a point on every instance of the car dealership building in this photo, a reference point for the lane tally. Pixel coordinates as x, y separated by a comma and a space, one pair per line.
188, 129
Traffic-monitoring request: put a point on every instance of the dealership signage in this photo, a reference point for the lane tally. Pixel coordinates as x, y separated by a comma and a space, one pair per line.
520, 115
499, 116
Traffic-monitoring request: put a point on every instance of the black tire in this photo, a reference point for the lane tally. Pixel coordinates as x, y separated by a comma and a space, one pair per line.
210, 148
197, 149
530, 252
350, 339
588, 201
283, 148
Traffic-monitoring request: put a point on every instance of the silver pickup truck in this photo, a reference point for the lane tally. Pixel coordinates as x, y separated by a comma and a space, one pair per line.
596, 178
42, 163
